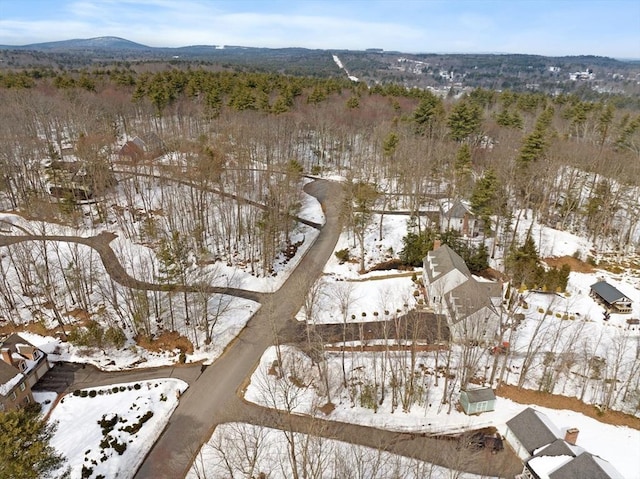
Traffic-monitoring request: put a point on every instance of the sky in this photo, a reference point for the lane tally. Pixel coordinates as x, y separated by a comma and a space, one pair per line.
543, 27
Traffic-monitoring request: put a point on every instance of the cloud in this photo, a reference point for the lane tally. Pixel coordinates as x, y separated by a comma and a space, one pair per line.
542, 27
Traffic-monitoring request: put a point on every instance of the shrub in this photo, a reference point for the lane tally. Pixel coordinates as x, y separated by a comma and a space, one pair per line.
120, 447
134, 428
86, 472
343, 255
76, 392
108, 423
136, 386
93, 393
105, 442
84, 393
115, 336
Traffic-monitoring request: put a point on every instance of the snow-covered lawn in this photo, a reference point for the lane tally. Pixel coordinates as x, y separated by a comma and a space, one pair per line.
245, 450
132, 416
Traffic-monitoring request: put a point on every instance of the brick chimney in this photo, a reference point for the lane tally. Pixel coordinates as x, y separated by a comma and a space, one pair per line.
6, 356
571, 436
436, 244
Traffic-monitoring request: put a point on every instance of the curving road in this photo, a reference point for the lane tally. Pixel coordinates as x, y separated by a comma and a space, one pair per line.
213, 396
212, 399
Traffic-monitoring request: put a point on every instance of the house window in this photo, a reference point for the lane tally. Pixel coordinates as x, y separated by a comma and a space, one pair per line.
13, 396
36, 355
22, 387
22, 366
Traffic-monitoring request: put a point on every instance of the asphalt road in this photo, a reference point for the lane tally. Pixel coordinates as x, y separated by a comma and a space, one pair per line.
212, 398
213, 395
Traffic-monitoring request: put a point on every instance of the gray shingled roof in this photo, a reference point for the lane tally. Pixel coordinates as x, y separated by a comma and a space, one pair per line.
457, 210
533, 429
444, 260
607, 292
559, 447
586, 466
469, 297
480, 394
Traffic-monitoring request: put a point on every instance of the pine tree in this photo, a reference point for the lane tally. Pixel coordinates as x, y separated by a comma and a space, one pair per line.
484, 197
428, 114
462, 169
25, 452
464, 121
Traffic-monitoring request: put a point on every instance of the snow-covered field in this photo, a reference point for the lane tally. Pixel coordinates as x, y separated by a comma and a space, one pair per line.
109, 430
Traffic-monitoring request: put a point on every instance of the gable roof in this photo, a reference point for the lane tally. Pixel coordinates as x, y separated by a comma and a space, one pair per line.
10, 376
456, 209
586, 466
13, 341
608, 292
533, 429
480, 394
467, 299
444, 259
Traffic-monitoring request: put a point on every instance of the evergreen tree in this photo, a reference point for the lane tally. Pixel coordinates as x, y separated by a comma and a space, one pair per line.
428, 114
484, 197
535, 144
462, 169
25, 452
522, 263
415, 247
464, 121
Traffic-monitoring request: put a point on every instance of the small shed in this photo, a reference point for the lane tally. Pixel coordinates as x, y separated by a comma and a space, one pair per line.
477, 400
610, 297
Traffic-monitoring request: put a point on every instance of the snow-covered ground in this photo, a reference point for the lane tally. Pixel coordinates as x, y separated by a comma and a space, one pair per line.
245, 450
140, 261
574, 315
428, 414
109, 430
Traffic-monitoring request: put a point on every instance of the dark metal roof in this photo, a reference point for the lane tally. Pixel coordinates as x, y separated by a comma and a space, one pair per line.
480, 394
607, 292
533, 429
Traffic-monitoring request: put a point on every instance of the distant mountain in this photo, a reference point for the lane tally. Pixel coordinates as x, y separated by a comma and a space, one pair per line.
87, 44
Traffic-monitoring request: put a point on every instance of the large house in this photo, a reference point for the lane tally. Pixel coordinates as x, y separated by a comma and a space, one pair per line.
471, 307
21, 366
610, 297
547, 453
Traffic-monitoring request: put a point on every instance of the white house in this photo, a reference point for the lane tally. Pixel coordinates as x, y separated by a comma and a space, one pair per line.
457, 215
468, 305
